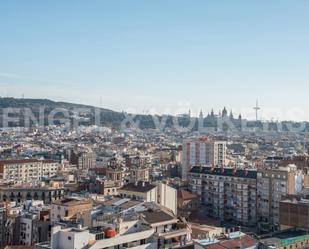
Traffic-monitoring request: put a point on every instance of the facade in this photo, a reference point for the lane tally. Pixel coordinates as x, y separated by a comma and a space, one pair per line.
144, 191
3, 214
116, 175
272, 185
228, 194
86, 161
139, 174
135, 161
106, 187
202, 151
80, 238
83, 160
294, 212
27, 170
169, 232
24, 192
154, 227
65, 209
32, 229
9, 222
187, 202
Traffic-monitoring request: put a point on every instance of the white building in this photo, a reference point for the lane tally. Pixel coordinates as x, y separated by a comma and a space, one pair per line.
144, 191
154, 227
71, 238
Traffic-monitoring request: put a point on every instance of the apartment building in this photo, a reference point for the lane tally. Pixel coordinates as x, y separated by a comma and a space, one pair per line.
136, 161
228, 194
9, 212
66, 208
152, 227
27, 170
3, 213
144, 191
106, 187
83, 160
202, 151
21, 193
136, 235
272, 185
32, 228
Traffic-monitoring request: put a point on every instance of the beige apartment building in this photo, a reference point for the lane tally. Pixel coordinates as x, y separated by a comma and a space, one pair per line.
272, 186
67, 208
27, 170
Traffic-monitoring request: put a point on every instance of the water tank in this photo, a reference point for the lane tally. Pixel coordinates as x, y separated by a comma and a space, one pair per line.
110, 233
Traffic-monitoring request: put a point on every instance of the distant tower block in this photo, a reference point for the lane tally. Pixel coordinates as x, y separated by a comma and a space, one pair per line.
256, 108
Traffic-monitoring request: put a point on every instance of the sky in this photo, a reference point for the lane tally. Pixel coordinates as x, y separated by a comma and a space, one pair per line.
159, 56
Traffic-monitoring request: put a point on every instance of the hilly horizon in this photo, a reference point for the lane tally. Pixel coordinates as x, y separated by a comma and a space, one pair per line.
108, 117
114, 119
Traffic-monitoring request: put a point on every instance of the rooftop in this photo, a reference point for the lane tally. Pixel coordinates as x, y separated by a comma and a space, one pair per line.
22, 161
285, 238
141, 187
72, 202
186, 195
243, 173
243, 241
156, 216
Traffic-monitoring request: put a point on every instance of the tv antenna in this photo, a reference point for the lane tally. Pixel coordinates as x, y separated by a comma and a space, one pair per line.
256, 108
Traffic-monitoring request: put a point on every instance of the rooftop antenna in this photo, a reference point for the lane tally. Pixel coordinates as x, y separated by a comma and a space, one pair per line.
256, 108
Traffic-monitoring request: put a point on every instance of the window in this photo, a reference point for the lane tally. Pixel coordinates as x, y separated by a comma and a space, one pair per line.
69, 238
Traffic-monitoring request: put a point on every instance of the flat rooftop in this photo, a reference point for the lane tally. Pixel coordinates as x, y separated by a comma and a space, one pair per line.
225, 172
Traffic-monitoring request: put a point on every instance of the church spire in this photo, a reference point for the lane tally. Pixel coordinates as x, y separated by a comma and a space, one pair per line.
224, 112
212, 114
